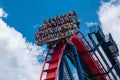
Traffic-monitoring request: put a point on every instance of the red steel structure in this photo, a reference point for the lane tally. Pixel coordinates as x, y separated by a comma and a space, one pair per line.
82, 55
54, 62
92, 63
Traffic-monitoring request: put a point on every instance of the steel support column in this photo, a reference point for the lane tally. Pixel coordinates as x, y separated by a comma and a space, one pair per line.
77, 62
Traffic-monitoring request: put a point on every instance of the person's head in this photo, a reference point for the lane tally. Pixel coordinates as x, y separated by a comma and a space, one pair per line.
45, 21
65, 15
53, 19
69, 14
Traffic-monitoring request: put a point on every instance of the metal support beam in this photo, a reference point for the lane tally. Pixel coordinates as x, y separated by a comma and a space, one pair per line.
68, 68
60, 77
100, 53
77, 62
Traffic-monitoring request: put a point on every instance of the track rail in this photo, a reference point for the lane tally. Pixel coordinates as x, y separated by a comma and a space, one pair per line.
52, 61
89, 59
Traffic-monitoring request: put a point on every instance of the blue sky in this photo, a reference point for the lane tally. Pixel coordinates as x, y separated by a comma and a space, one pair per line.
24, 15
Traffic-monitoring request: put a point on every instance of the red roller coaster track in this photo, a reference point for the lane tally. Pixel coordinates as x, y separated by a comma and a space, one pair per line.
54, 62
92, 63
56, 56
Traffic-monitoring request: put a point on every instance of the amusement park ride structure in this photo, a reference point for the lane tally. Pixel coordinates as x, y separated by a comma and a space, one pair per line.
93, 59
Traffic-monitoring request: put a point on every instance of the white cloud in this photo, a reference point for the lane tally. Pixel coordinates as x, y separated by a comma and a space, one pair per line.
89, 24
3, 13
109, 16
18, 59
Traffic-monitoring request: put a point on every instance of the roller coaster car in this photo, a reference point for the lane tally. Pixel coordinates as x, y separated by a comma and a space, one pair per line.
57, 28
56, 36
